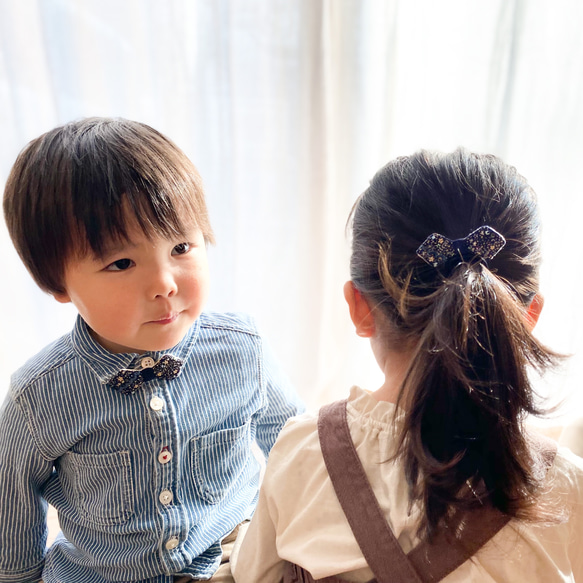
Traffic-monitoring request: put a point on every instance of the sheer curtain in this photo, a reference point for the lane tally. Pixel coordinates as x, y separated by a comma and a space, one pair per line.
288, 107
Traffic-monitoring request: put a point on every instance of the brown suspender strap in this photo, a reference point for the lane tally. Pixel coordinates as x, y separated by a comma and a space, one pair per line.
426, 563
295, 574
377, 542
445, 553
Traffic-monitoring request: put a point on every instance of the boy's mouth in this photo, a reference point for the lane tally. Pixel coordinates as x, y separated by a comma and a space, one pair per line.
166, 319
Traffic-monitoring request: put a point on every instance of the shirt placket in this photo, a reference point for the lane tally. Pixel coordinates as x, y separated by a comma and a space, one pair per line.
166, 472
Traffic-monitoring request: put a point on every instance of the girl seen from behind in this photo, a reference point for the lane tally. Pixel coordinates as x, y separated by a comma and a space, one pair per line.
444, 283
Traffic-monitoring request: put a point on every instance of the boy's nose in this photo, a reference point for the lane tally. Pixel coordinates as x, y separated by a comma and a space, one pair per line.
163, 284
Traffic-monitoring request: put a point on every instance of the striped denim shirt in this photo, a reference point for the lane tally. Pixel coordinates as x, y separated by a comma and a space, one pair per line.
145, 484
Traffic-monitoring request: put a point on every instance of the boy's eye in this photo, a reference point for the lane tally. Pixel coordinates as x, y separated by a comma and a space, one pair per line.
120, 265
181, 249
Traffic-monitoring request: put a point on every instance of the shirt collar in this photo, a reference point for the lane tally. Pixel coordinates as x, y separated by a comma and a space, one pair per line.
105, 364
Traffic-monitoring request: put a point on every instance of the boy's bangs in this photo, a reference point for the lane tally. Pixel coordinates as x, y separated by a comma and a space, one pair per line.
156, 213
134, 175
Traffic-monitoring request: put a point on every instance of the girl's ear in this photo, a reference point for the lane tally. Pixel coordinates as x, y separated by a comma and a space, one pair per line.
533, 311
360, 311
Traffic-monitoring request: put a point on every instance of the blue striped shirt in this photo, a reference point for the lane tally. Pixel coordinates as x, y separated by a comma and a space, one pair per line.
146, 484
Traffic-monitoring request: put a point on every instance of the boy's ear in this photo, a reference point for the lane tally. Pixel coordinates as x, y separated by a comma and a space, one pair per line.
62, 298
360, 311
533, 311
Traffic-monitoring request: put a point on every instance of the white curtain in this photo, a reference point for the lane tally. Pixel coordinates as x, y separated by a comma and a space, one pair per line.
288, 107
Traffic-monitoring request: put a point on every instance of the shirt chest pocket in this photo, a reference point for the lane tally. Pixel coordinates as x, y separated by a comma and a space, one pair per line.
98, 486
219, 460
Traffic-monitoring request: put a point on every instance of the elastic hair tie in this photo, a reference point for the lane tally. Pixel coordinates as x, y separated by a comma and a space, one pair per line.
484, 242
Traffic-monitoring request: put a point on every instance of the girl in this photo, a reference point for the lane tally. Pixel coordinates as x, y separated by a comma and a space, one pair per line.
444, 268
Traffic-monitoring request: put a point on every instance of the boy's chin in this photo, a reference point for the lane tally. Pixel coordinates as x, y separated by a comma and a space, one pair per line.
151, 340
154, 346
162, 345
159, 346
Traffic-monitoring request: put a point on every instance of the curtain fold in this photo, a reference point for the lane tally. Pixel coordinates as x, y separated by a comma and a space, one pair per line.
287, 108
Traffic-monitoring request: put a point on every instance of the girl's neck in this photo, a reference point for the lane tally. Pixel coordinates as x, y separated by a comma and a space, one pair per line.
394, 366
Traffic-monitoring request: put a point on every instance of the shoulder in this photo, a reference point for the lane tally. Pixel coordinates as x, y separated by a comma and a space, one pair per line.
300, 429
299, 443
567, 474
46, 362
563, 493
234, 322
297, 446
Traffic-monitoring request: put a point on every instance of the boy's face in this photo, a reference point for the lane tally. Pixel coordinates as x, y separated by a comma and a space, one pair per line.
144, 295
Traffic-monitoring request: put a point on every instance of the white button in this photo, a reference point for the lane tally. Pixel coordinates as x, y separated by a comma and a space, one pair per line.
164, 456
165, 497
156, 403
147, 362
171, 543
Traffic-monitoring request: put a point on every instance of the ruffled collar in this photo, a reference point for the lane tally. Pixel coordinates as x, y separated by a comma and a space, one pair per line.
383, 414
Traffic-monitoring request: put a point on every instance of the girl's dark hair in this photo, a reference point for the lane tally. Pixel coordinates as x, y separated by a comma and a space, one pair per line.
467, 392
71, 191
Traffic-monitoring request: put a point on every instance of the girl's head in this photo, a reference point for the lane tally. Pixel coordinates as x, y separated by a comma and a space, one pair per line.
465, 322
450, 194
77, 189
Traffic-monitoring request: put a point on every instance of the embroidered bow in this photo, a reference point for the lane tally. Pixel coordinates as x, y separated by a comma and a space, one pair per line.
128, 380
484, 242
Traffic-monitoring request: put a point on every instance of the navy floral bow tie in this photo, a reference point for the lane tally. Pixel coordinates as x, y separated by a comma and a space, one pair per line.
128, 381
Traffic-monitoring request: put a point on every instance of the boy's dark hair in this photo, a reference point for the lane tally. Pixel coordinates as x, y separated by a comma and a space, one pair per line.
71, 191
467, 391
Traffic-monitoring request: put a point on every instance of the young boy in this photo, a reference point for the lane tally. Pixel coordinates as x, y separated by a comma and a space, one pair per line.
138, 425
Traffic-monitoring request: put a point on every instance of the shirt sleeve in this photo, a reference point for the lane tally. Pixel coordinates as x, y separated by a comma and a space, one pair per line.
282, 401
23, 472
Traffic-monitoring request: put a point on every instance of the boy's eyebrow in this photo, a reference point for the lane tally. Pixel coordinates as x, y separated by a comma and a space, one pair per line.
114, 247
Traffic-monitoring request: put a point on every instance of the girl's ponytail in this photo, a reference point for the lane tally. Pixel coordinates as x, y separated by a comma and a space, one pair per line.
467, 391
466, 397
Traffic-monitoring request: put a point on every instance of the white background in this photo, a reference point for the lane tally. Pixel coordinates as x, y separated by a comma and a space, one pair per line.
287, 108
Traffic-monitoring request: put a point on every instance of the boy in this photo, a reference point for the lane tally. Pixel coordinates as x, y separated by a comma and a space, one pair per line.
138, 425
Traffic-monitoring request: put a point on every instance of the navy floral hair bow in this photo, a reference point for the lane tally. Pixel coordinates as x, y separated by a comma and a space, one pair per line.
128, 380
484, 243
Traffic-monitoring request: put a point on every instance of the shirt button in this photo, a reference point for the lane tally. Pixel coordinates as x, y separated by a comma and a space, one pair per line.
164, 456
147, 362
171, 543
156, 403
166, 497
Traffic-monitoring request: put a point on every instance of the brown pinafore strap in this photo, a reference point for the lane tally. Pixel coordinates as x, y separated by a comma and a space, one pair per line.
377, 542
426, 563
